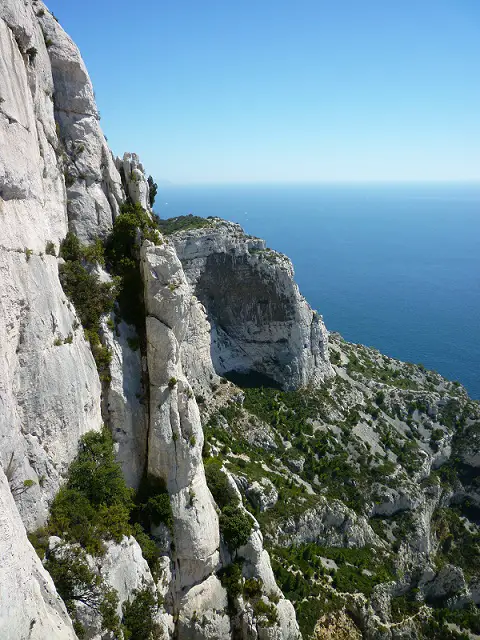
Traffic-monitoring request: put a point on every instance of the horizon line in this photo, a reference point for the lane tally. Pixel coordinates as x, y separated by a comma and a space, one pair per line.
171, 183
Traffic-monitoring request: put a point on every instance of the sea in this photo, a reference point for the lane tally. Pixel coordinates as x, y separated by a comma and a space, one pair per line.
392, 266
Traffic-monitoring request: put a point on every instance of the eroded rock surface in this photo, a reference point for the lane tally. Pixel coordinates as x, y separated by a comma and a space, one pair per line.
259, 321
29, 604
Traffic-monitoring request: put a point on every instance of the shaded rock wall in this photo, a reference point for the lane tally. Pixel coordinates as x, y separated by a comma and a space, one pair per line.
259, 321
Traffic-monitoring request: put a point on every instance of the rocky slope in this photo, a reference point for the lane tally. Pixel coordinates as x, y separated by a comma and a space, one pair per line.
334, 485
367, 492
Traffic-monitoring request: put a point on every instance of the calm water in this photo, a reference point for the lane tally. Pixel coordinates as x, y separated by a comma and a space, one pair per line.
394, 267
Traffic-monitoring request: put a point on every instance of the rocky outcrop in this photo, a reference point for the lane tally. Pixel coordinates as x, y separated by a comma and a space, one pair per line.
256, 565
29, 604
336, 627
262, 494
175, 435
174, 455
134, 178
49, 387
94, 187
331, 524
123, 569
204, 612
259, 321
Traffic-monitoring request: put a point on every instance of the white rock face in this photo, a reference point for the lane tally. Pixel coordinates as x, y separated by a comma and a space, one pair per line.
56, 173
259, 320
263, 494
135, 179
329, 524
448, 582
125, 569
175, 444
203, 612
29, 605
49, 386
126, 405
94, 185
50, 395
195, 351
176, 436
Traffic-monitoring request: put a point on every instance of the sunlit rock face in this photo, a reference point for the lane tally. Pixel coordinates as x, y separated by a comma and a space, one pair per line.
175, 435
259, 321
58, 174
49, 388
29, 606
94, 187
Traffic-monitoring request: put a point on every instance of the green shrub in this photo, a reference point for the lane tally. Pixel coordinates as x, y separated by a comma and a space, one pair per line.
122, 259
138, 622
77, 583
159, 510
217, 482
94, 252
457, 545
101, 354
235, 526
152, 192
149, 549
252, 588
95, 503
268, 611
231, 579
152, 504
466, 618
39, 541
182, 223
50, 249
172, 382
71, 248
91, 298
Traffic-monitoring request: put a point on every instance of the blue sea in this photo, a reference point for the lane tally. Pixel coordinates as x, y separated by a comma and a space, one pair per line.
396, 267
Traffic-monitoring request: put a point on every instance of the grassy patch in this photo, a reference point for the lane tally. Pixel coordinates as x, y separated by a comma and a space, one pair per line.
182, 223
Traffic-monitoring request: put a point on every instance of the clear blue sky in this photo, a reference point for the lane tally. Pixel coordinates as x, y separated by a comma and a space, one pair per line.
286, 90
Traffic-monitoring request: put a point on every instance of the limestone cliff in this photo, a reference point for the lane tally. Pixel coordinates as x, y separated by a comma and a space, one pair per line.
342, 492
259, 321
57, 175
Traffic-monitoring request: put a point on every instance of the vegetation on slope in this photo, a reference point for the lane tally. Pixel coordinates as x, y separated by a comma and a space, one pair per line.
182, 223
91, 297
235, 524
93, 507
364, 440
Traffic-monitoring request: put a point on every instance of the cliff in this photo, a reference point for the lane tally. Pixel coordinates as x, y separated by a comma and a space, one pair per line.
190, 452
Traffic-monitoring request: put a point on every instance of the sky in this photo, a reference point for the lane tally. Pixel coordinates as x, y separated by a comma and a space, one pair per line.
225, 91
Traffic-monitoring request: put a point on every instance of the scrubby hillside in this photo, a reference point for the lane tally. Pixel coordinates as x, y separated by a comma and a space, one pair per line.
367, 493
